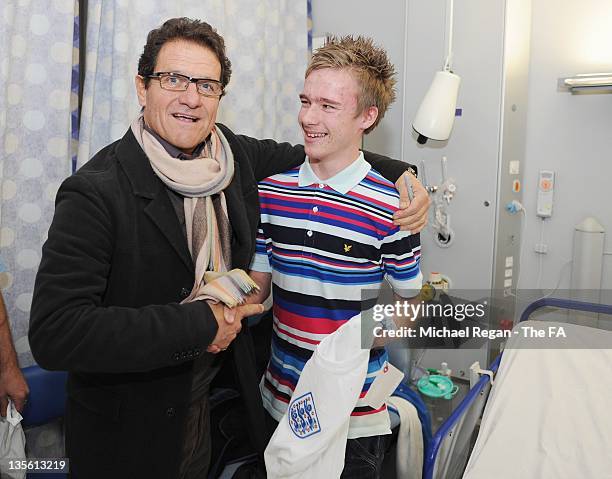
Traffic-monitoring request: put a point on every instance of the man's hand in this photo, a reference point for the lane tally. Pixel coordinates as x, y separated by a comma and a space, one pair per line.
230, 323
13, 385
412, 215
12, 382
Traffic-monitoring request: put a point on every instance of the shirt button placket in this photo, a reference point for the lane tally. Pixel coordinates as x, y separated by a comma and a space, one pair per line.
310, 234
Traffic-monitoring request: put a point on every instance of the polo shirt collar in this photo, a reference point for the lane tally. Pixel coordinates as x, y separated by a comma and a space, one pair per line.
343, 181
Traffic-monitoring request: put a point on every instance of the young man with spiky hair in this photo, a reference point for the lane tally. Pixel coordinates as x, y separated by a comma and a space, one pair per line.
327, 234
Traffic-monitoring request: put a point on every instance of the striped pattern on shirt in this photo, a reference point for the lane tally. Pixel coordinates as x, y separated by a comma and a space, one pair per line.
324, 248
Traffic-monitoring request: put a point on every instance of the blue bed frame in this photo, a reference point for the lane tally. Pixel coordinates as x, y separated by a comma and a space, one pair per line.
431, 453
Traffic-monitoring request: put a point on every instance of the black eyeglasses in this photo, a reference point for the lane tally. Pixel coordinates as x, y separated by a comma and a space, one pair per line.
177, 82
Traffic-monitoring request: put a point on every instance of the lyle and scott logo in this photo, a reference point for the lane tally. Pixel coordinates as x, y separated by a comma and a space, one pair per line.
347, 247
302, 416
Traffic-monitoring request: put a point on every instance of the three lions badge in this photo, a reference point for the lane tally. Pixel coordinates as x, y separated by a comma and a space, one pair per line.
302, 416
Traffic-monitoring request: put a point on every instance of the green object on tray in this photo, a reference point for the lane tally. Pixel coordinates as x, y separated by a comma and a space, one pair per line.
437, 386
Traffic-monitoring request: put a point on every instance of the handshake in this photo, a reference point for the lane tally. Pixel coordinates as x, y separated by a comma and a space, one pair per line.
229, 321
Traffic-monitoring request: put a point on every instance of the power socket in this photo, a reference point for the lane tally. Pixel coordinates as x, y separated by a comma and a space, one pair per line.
541, 248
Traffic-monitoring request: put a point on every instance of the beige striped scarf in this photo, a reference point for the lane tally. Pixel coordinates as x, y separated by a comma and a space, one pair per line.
207, 227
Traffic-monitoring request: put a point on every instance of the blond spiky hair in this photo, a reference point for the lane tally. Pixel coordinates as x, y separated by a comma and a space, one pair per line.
374, 73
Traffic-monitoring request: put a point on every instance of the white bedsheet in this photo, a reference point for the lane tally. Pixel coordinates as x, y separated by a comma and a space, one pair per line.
550, 410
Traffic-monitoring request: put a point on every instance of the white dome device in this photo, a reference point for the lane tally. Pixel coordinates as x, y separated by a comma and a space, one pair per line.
436, 115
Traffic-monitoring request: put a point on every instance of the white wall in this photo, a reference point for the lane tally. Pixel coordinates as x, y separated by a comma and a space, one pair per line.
386, 27
571, 134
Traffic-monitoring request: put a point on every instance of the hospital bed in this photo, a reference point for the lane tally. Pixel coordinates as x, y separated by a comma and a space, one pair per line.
547, 414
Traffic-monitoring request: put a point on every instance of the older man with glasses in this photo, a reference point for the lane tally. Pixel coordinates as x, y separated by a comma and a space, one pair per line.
121, 300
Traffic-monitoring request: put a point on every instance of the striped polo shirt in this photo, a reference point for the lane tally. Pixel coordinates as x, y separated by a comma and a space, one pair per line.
325, 241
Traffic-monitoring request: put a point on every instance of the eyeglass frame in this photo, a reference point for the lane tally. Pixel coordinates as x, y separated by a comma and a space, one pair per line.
194, 80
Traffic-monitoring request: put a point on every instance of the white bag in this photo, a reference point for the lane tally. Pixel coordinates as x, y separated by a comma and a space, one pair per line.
311, 442
12, 442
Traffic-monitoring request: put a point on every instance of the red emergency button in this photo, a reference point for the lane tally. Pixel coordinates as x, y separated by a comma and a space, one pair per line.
546, 185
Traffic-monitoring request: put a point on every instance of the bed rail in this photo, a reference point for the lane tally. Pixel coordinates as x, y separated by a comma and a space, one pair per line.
447, 427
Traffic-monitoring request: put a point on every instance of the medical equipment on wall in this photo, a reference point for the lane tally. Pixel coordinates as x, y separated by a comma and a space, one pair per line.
441, 196
436, 115
546, 187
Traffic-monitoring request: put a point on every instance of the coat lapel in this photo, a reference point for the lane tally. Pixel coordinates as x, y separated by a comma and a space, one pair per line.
242, 235
146, 185
162, 213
